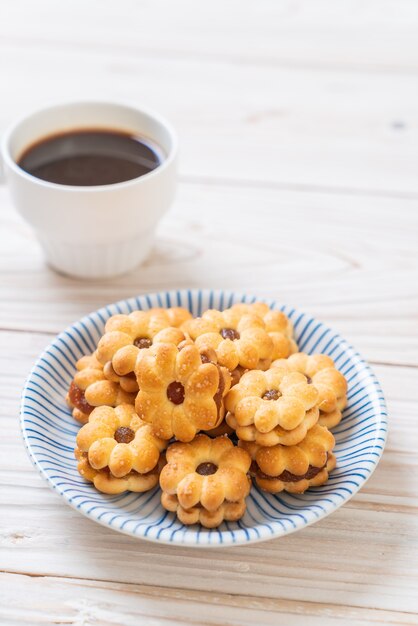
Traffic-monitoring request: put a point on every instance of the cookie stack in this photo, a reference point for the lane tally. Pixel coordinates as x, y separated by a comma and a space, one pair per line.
201, 406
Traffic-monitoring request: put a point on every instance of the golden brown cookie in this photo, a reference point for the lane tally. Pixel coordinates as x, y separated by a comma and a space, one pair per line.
179, 395
205, 481
127, 383
293, 468
126, 336
117, 439
105, 482
209, 356
95, 385
177, 315
89, 371
238, 339
228, 512
107, 393
277, 324
272, 407
320, 370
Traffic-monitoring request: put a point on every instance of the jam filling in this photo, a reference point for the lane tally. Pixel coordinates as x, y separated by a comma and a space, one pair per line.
175, 392
272, 394
230, 333
288, 477
124, 434
142, 342
78, 399
208, 356
206, 469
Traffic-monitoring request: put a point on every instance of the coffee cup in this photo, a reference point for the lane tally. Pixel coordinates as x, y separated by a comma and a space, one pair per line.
99, 230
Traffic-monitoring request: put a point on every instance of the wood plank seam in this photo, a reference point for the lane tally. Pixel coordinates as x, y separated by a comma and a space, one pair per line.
199, 179
211, 58
221, 598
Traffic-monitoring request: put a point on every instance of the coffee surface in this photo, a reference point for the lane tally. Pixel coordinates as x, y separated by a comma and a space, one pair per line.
90, 157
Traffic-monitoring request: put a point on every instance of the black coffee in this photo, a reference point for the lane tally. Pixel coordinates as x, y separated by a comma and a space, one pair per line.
90, 157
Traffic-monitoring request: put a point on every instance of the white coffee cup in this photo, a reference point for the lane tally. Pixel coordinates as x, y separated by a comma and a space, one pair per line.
97, 231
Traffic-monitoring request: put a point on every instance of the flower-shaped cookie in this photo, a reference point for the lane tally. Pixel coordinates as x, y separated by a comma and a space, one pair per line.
177, 315
209, 356
277, 324
179, 394
272, 407
238, 339
107, 393
205, 481
126, 336
104, 481
127, 382
89, 371
94, 385
293, 468
119, 440
320, 370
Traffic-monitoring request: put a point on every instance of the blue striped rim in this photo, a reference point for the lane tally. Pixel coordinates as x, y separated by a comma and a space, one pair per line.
49, 434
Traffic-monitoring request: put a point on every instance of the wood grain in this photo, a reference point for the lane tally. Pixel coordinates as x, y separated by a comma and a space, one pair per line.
77, 601
298, 124
361, 578
303, 115
270, 33
346, 260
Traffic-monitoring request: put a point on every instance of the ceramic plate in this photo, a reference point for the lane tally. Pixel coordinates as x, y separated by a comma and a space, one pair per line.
49, 433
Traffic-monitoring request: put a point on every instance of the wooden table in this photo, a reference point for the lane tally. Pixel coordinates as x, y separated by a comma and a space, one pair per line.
298, 124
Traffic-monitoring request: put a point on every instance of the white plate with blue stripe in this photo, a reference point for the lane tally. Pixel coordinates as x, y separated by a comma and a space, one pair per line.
49, 433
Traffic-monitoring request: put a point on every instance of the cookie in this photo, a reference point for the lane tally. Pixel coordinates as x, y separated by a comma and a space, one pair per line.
272, 407
94, 385
105, 482
118, 440
126, 336
320, 370
293, 468
277, 324
205, 481
177, 315
89, 371
107, 393
238, 339
127, 383
179, 394
228, 512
